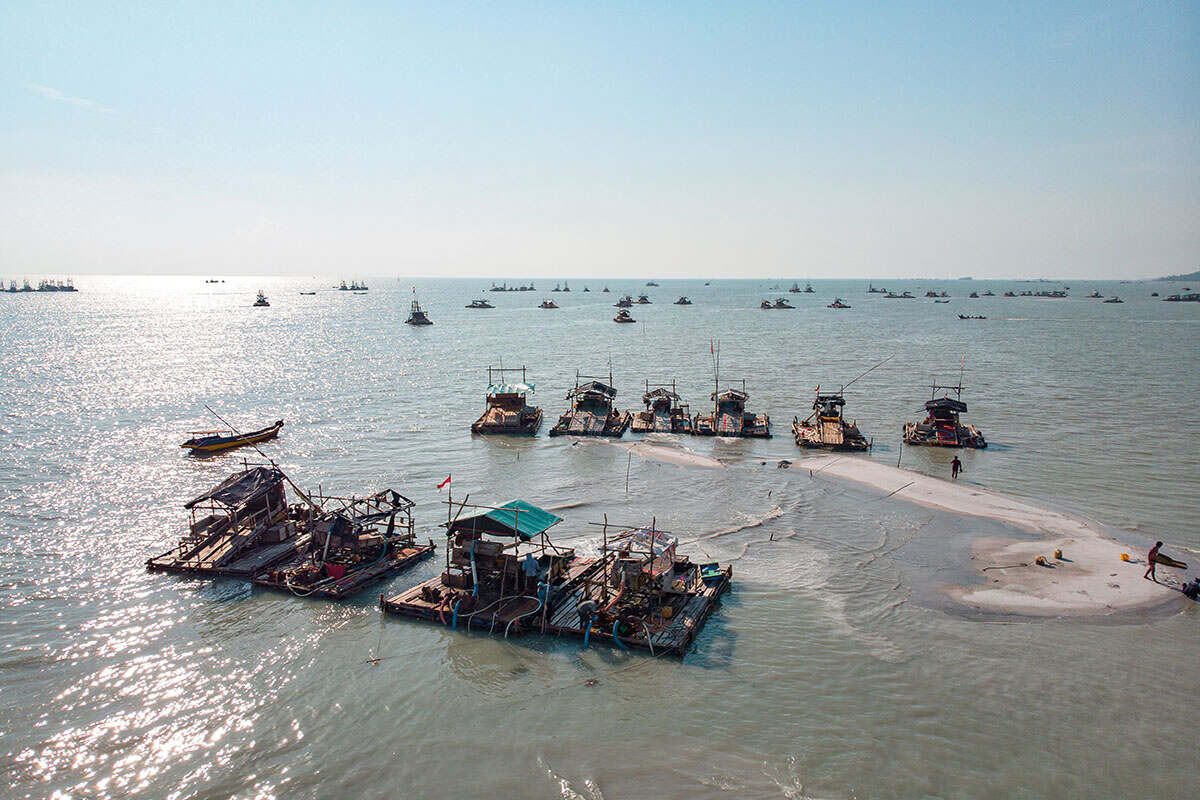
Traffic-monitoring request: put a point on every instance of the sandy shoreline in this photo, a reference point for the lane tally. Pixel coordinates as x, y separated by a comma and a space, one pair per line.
1090, 579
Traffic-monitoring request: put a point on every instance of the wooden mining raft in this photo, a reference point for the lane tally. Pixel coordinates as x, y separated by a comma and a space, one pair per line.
239, 528
941, 426
640, 593
502, 572
730, 417
591, 412
352, 543
508, 411
665, 411
826, 428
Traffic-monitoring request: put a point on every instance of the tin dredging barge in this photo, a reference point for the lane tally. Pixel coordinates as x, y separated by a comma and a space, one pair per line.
941, 427
730, 417
591, 412
640, 593
245, 528
826, 428
505, 576
361, 541
665, 412
502, 571
238, 528
508, 410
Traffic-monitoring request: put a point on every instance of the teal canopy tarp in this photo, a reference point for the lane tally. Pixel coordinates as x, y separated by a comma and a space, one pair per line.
515, 518
510, 388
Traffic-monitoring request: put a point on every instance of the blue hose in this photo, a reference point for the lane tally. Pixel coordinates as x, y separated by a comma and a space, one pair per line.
454, 618
587, 633
474, 576
617, 638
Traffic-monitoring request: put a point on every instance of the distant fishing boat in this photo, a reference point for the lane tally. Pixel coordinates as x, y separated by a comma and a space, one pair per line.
624, 302
969, 316
651, 283
838, 303
623, 316
215, 441
417, 315
479, 304
261, 300
808, 289
548, 303
643, 300
1114, 299
781, 303
683, 301
308, 293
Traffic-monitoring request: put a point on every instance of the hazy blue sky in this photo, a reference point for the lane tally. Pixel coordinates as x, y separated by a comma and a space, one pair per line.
558, 140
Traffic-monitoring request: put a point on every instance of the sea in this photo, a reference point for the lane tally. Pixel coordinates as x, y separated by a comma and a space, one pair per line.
835, 668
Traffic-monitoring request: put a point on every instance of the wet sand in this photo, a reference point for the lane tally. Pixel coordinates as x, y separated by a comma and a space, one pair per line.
1090, 578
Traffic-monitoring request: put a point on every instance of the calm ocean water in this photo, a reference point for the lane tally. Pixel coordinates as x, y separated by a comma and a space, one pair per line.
833, 670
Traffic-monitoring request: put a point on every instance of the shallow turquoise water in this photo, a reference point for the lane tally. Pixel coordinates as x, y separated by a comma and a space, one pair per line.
833, 670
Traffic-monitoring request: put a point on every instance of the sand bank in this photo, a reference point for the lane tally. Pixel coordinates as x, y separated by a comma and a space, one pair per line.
1091, 578
669, 453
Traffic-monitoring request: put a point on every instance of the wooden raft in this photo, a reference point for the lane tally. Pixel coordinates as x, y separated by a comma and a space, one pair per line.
674, 639
495, 618
208, 560
353, 582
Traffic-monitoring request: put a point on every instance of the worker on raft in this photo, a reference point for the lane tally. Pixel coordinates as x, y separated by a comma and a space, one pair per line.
955, 468
1152, 558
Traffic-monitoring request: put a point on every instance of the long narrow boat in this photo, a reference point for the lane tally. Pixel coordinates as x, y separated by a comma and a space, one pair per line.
214, 441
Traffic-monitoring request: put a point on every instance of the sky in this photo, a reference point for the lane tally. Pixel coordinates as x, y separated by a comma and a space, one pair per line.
560, 140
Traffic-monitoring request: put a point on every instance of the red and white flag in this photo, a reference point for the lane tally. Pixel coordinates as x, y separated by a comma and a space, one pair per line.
443, 483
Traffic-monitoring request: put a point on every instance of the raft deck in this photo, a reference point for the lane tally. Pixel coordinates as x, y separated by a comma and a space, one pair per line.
674, 637
495, 618
353, 581
207, 561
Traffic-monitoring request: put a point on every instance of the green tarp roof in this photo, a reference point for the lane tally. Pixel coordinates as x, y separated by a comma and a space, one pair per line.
515, 518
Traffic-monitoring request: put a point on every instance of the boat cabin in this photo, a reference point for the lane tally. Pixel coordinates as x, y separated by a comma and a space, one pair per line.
591, 412
665, 411
730, 418
941, 427
508, 411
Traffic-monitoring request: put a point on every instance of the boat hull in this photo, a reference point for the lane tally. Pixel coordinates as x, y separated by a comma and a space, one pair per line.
217, 444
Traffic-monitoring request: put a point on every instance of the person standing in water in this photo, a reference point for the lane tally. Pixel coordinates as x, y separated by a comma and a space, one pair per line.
1153, 555
955, 468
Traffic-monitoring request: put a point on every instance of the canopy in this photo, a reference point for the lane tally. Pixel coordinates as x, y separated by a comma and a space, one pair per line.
947, 404
593, 386
509, 388
241, 486
514, 518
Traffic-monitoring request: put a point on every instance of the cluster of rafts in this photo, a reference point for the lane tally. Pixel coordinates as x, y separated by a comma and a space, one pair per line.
592, 412
502, 572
